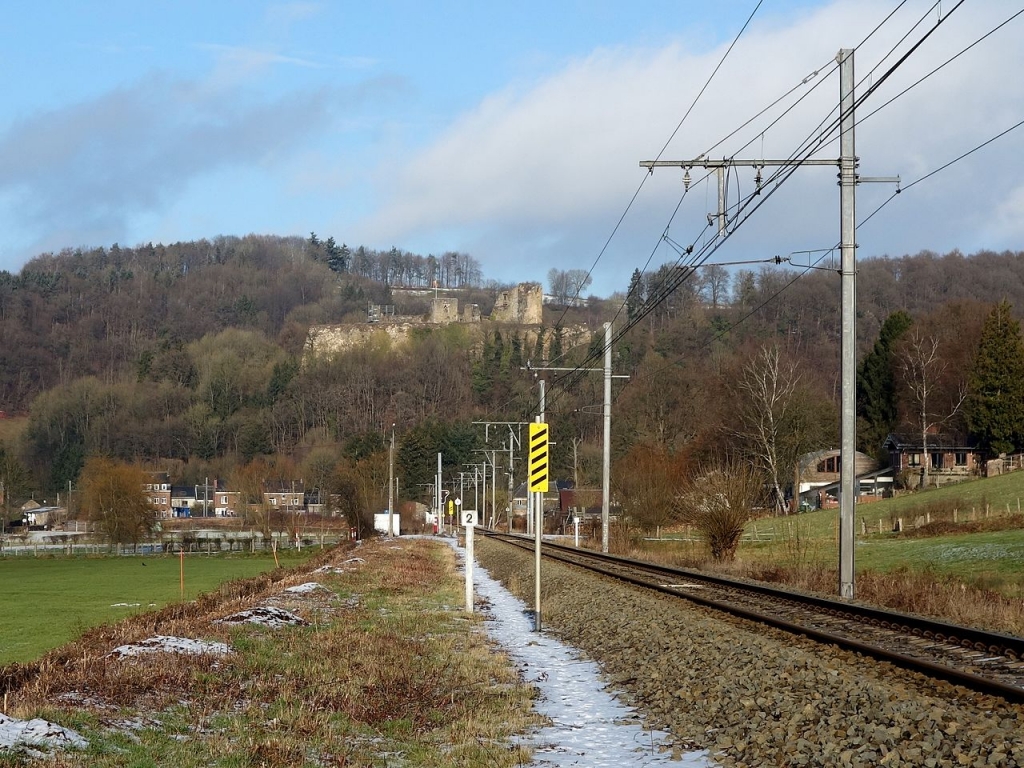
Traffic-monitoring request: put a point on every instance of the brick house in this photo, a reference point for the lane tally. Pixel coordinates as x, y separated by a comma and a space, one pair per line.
949, 458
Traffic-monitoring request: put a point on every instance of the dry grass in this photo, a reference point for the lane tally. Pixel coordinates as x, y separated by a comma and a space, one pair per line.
386, 672
921, 592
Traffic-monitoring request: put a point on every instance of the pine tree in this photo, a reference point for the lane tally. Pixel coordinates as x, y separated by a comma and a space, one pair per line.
877, 411
995, 406
634, 296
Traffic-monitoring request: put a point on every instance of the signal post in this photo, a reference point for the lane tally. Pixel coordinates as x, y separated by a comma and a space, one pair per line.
538, 463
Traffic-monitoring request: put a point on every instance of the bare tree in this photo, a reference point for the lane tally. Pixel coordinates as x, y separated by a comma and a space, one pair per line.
714, 282
922, 369
114, 497
646, 481
770, 384
567, 285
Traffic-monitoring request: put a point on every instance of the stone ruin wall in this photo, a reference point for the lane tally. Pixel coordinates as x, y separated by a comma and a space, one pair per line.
521, 305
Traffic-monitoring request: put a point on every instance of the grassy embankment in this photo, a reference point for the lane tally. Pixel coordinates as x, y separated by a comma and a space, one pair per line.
49, 601
970, 571
389, 671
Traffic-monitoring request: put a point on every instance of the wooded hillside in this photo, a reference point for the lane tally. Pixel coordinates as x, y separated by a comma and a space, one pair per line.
189, 357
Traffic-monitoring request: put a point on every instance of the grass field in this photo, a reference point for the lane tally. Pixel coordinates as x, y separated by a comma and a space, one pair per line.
48, 601
387, 671
960, 556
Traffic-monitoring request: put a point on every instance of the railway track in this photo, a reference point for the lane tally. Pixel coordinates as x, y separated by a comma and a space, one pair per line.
988, 662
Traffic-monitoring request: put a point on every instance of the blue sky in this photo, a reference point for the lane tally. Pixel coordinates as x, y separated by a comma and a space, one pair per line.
512, 132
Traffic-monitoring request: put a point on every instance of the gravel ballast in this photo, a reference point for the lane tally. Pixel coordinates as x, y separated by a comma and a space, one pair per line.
755, 696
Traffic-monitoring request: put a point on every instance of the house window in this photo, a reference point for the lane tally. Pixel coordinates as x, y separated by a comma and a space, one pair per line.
830, 464
913, 459
960, 458
937, 460
273, 500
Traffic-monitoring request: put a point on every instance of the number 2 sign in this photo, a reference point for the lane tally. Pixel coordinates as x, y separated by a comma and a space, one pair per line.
469, 517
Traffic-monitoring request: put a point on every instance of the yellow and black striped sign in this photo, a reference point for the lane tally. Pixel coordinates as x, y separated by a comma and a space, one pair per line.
539, 458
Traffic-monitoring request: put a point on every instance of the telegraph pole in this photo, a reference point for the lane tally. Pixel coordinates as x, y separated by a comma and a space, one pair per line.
391, 484
848, 181
848, 368
438, 498
606, 462
606, 459
513, 442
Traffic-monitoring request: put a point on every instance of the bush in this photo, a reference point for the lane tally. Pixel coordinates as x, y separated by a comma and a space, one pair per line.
718, 503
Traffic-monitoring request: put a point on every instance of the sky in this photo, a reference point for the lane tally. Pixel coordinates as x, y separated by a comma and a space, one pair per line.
512, 132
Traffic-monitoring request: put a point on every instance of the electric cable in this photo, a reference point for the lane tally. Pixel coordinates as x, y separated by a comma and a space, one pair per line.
778, 178
675, 131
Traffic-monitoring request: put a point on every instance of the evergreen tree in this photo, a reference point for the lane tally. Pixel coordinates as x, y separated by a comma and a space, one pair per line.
877, 411
995, 405
635, 295
557, 342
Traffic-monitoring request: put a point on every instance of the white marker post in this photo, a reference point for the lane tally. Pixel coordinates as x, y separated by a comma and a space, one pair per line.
469, 520
576, 529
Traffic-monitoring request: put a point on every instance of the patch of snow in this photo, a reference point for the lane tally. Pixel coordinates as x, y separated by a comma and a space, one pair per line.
306, 588
170, 644
125, 605
589, 726
23, 735
266, 616
329, 569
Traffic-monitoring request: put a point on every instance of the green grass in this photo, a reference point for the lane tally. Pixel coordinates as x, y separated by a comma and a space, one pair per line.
397, 677
997, 493
49, 601
993, 560
987, 560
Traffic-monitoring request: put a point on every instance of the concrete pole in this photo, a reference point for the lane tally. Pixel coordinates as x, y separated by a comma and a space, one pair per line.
469, 568
391, 484
848, 407
606, 464
438, 497
511, 480
494, 489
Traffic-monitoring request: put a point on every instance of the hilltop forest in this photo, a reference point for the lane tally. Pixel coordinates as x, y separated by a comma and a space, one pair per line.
190, 358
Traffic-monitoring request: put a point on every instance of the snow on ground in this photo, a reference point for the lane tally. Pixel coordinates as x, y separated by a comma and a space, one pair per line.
170, 644
264, 615
302, 589
589, 726
28, 735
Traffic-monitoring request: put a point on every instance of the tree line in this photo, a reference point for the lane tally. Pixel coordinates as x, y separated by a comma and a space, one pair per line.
191, 358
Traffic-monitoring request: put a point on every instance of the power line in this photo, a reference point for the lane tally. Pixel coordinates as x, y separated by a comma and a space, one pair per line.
941, 168
805, 150
827, 251
679, 125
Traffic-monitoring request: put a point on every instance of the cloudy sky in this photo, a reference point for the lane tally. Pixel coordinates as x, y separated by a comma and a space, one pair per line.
509, 131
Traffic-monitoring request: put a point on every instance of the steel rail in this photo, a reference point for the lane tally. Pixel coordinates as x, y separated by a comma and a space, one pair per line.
968, 637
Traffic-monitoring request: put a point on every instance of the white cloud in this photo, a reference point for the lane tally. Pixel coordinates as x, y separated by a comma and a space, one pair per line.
555, 162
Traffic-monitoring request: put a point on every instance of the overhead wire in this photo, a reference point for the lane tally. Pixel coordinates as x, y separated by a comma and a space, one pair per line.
948, 61
805, 150
771, 125
861, 223
804, 81
675, 131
